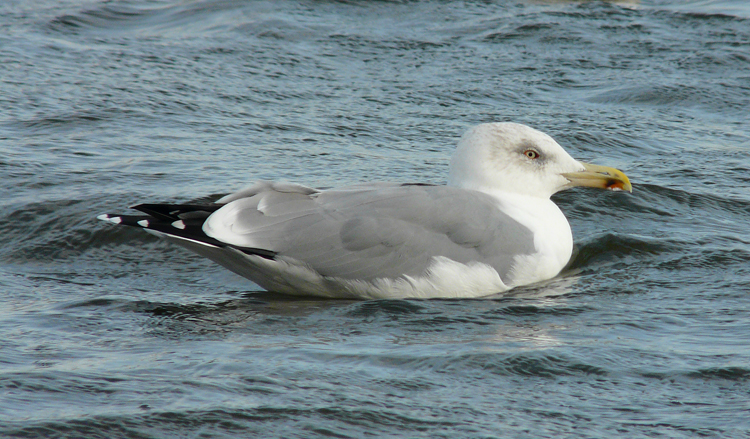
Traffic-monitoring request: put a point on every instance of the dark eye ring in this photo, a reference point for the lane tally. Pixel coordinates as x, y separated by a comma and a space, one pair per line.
530, 153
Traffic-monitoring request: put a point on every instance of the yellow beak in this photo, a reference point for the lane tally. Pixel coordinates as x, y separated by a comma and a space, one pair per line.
602, 177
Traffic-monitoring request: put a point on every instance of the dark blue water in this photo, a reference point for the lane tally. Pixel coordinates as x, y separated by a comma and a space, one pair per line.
110, 333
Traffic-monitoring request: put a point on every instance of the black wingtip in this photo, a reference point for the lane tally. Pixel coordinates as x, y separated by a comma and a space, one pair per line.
166, 221
175, 212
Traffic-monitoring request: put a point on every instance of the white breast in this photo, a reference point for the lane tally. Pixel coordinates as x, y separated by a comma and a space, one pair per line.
553, 238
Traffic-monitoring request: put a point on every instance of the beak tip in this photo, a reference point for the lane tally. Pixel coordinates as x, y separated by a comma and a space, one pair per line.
619, 186
602, 177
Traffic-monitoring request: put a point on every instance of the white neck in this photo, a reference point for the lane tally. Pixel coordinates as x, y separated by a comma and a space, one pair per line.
553, 238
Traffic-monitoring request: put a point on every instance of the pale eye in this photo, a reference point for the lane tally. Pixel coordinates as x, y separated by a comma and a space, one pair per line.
530, 153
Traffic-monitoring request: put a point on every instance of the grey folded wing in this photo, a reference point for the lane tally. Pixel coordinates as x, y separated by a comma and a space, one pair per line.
373, 231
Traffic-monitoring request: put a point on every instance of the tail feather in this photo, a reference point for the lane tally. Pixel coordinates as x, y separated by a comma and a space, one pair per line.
184, 221
175, 212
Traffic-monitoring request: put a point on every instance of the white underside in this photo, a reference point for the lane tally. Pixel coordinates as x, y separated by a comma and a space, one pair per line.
443, 279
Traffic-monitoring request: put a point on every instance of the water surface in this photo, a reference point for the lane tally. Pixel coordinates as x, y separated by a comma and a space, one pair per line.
108, 332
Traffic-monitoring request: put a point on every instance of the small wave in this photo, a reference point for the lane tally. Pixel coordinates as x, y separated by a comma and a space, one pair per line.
730, 373
615, 247
102, 18
720, 259
29, 228
57, 382
700, 202
114, 17
55, 230
549, 366
662, 95
386, 307
722, 373
729, 14
99, 302
656, 202
528, 364
319, 419
523, 31
66, 229
531, 310
77, 119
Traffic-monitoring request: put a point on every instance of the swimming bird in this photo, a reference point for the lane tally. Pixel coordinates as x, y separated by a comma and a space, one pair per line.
493, 227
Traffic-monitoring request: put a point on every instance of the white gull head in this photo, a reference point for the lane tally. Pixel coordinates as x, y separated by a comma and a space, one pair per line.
516, 159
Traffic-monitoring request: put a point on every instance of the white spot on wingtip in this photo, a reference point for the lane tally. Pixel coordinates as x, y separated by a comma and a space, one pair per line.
179, 225
143, 223
110, 219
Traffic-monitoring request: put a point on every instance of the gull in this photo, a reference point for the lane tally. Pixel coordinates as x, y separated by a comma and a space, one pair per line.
492, 228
